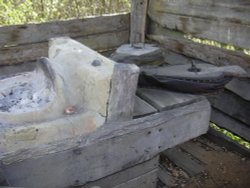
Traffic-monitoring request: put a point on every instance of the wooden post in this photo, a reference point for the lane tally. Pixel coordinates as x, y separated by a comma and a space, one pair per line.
138, 22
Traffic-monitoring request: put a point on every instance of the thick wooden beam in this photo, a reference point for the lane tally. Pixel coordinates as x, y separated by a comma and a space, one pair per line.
110, 149
138, 21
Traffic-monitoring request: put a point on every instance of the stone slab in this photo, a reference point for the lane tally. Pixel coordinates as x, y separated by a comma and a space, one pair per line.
165, 100
146, 54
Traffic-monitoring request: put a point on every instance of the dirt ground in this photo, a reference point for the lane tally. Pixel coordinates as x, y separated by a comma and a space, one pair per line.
223, 168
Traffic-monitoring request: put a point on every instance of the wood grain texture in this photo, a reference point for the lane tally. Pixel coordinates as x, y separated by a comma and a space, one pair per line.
125, 176
225, 121
224, 141
241, 87
138, 21
147, 180
104, 152
188, 163
30, 52
122, 95
35, 33
206, 53
231, 11
232, 105
230, 31
142, 108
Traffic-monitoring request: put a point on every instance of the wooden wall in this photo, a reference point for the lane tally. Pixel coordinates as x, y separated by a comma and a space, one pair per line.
20, 43
223, 21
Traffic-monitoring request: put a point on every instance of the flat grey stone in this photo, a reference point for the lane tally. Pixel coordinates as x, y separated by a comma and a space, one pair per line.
165, 100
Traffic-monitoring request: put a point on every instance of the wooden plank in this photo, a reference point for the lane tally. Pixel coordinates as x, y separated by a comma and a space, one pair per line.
214, 10
195, 149
30, 52
231, 124
213, 55
232, 105
188, 163
125, 175
122, 95
223, 140
173, 58
138, 21
240, 86
218, 30
142, 108
103, 152
36, 33
165, 177
147, 180
165, 100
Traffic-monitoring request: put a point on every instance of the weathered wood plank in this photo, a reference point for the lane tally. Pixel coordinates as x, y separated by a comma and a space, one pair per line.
232, 105
122, 95
138, 21
218, 30
241, 87
222, 140
30, 52
214, 10
196, 149
147, 180
101, 153
165, 177
188, 163
173, 58
142, 108
213, 55
231, 124
165, 100
34, 33
125, 175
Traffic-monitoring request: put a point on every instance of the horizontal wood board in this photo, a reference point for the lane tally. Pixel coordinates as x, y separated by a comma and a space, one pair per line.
100, 33
36, 33
223, 22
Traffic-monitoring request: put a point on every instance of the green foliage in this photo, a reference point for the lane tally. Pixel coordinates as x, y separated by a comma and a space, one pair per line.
33, 11
231, 135
217, 44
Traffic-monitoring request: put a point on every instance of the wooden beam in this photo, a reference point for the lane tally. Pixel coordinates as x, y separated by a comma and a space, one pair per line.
213, 55
232, 105
225, 121
138, 21
36, 33
110, 149
30, 52
127, 175
230, 30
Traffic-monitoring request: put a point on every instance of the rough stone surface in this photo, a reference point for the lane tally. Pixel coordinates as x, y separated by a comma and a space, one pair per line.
144, 54
85, 83
71, 94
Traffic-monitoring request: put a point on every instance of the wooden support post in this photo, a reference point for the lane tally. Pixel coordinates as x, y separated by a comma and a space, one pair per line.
138, 21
